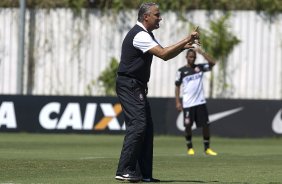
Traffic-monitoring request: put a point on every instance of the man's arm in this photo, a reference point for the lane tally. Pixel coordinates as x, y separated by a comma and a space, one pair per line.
173, 50
207, 57
177, 98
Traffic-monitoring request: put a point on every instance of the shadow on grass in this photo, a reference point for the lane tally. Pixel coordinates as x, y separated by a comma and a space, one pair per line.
187, 181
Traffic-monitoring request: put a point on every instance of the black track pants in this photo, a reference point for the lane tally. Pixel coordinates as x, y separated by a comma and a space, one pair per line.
137, 152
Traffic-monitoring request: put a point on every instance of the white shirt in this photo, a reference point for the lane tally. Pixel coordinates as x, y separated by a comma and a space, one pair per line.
143, 40
193, 93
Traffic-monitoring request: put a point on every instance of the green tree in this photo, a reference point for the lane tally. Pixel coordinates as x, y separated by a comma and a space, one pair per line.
219, 42
108, 78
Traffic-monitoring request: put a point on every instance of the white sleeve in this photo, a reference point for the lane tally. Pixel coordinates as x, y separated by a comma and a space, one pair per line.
144, 42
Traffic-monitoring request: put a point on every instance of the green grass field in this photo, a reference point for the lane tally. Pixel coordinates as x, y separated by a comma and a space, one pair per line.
83, 159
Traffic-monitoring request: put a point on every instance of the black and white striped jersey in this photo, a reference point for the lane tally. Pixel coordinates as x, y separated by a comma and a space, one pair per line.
191, 81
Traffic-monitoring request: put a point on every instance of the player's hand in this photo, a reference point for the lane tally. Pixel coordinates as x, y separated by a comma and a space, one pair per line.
179, 106
192, 45
188, 46
195, 36
199, 50
192, 37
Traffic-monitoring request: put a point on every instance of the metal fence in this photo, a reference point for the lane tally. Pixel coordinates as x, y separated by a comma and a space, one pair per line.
65, 53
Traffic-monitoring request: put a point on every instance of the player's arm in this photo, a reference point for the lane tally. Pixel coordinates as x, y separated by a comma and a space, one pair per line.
207, 57
177, 98
169, 52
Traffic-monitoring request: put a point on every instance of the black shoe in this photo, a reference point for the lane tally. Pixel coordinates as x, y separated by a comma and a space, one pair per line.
128, 177
152, 180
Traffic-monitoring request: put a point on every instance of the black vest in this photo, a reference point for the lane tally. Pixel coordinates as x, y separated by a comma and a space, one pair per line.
134, 63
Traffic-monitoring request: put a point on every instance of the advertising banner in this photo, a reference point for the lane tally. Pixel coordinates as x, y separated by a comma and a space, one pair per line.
73, 114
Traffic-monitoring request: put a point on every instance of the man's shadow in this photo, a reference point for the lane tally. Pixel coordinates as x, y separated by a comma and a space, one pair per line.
187, 181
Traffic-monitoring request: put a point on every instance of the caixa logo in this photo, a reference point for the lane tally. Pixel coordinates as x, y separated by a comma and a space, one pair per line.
71, 117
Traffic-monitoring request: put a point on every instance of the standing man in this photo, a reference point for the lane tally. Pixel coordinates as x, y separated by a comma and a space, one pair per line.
138, 48
193, 104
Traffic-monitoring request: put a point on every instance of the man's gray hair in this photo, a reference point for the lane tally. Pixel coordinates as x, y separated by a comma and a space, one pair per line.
145, 9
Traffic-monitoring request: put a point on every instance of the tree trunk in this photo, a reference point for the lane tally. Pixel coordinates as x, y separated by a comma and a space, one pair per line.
31, 60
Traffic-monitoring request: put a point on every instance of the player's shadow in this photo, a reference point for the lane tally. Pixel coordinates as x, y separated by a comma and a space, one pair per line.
187, 181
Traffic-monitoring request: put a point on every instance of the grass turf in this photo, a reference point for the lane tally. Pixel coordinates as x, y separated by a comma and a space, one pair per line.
75, 158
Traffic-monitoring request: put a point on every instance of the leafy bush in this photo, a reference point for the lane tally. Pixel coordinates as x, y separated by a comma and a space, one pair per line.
108, 78
269, 6
219, 42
